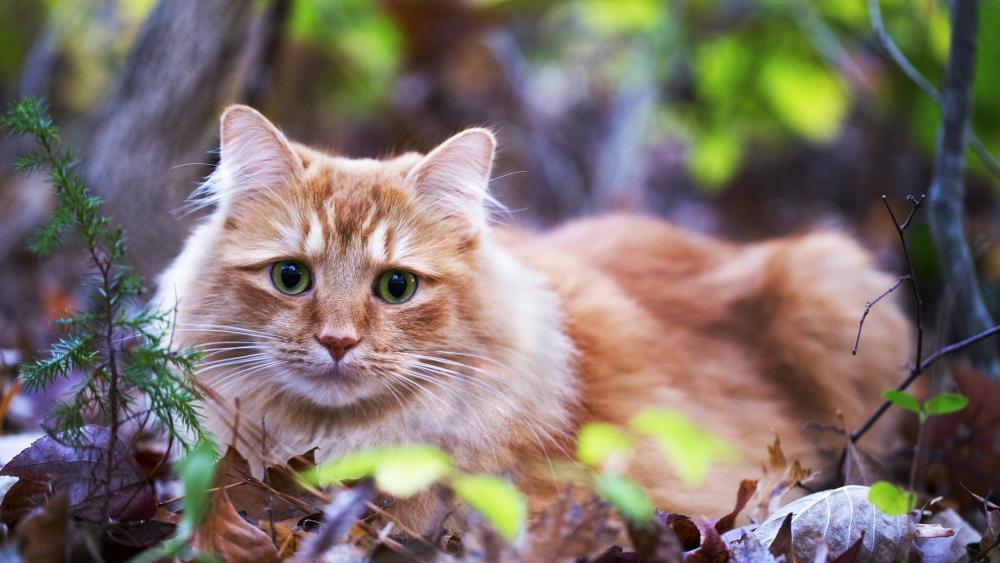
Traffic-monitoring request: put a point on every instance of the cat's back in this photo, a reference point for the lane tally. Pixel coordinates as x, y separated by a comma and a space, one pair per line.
747, 340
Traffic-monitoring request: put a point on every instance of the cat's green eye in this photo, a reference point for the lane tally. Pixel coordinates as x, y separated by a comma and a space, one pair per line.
290, 277
395, 286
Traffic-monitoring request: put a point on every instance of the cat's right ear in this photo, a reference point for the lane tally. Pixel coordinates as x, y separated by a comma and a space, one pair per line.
254, 155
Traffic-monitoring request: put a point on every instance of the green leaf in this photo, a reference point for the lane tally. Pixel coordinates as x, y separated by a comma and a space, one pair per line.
902, 399
401, 471
805, 96
499, 501
408, 470
890, 499
715, 156
598, 441
688, 448
196, 470
355, 465
614, 16
627, 496
945, 403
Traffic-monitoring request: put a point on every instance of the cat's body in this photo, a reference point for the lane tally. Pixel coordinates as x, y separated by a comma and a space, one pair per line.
510, 340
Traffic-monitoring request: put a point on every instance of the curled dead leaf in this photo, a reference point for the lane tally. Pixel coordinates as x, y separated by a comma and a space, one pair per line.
229, 536
779, 478
712, 548
746, 491
571, 529
843, 516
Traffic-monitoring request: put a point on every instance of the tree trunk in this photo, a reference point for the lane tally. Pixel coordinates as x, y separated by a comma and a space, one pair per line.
153, 132
947, 192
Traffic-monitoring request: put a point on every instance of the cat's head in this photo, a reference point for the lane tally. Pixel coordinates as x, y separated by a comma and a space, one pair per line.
337, 280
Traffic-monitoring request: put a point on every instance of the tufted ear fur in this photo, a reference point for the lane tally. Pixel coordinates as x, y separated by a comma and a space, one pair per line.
453, 180
254, 155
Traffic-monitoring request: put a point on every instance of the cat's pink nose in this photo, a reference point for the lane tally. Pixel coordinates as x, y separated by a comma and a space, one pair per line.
337, 343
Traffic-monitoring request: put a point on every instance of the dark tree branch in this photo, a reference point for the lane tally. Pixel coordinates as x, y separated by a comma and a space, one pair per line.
916, 371
875, 14
269, 38
947, 192
159, 115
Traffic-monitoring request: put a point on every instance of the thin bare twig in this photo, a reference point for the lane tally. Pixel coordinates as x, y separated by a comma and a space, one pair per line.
868, 309
920, 363
915, 203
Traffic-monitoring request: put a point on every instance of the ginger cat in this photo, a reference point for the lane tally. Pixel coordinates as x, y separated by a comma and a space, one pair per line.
355, 303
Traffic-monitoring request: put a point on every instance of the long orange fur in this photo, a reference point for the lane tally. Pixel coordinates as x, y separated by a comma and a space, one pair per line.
514, 338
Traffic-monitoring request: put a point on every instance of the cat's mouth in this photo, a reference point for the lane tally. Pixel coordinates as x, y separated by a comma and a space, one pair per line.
339, 372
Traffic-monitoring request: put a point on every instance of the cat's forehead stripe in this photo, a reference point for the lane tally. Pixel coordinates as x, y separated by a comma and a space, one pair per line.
377, 243
315, 241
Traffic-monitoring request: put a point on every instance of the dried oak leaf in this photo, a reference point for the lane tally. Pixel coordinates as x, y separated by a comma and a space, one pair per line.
256, 498
570, 529
81, 471
781, 545
23, 497
779, 477
285, 480
684, 527
712, 548
841, 515
656, 541
746, 491
968, 438
286, 534
230, 536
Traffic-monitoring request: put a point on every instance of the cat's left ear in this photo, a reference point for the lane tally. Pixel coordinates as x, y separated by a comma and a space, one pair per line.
453, 179
254, 155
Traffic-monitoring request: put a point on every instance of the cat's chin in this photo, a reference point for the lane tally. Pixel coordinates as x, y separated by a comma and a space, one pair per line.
333, 386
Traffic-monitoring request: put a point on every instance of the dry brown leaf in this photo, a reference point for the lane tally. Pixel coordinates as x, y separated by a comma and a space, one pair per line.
712, 548
781, 544
287, 535
963, 444
94, 481
23, 497
841, 516
568, 529
747, 489
44, 532
779, 478
229, 536
684, 527
256, 498
656, 541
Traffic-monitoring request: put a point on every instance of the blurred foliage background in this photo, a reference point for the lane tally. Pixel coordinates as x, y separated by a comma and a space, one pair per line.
742, 118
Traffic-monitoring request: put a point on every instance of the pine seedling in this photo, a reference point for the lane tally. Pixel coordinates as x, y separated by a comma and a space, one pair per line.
130, 374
